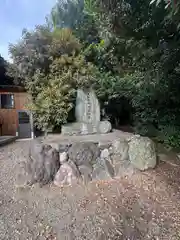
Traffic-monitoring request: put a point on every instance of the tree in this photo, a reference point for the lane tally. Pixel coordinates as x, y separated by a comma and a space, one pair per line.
55, 100
2, 69
141, 57
71, 14
31, 53
66, 14
4, 78
173, 9
52, 67
37, 50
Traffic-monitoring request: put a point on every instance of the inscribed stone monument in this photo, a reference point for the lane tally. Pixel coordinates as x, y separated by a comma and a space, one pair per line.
87, 112
87, 107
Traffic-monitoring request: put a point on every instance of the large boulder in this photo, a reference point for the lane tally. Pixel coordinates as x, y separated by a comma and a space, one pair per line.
142, 153
82, 153
68, 174
42, 164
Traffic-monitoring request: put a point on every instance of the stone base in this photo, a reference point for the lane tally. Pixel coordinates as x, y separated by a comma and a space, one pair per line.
79, 128
101, 156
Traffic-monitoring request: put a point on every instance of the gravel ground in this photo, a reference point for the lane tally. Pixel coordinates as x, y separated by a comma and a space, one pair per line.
136, 206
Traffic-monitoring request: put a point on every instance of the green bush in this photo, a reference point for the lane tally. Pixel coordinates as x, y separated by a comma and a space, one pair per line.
169, 135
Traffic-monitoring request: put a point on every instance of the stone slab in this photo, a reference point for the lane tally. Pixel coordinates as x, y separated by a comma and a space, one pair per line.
78, 128
81, 128
103, 139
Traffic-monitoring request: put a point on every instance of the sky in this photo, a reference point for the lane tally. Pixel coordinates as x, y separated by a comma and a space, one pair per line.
18, 14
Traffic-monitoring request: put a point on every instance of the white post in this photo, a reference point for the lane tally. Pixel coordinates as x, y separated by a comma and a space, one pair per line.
32, 125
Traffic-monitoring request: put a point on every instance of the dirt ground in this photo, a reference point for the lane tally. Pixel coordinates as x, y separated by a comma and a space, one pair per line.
135, 206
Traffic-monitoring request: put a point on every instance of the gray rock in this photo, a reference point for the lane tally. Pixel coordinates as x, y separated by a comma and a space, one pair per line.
100, 175
82, 153
121, 168
142, 153
63, 157
105, 154
120, 148
83, 128
104, 127
68, 174
104, 145
63, 147
85, 169
55, 146
97, 168
78, 128
43, 163
102, 170
86, 172
111, 151
109, 168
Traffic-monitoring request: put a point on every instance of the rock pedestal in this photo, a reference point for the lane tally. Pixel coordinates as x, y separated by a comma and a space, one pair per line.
87, 113
76, 162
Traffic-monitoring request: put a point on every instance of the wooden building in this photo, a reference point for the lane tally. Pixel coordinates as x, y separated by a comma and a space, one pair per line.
15, 119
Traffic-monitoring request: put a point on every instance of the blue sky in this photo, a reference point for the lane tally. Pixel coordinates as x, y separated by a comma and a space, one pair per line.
18, 14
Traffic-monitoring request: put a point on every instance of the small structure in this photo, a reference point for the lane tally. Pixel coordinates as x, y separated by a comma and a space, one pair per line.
15, 119
87, 113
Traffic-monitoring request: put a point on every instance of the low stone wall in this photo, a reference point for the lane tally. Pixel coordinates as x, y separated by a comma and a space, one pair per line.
82, 162
102, 161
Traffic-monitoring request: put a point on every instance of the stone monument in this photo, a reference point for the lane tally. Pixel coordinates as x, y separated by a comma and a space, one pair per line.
87, 107
87, 112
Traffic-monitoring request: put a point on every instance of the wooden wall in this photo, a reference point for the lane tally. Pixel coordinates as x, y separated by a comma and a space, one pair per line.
10, 116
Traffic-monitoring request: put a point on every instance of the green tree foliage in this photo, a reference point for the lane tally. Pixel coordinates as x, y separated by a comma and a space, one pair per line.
2, 70
4, 78
52, 103
37, 50
141, 57
72, 14
52, 67
66, 14
31, 53
55, 100
173, 9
